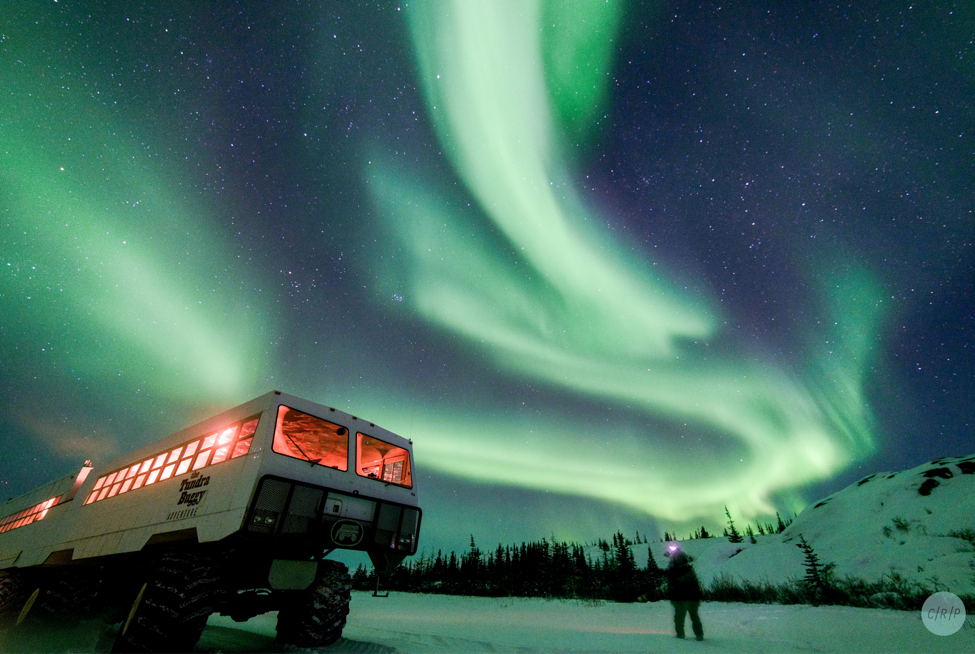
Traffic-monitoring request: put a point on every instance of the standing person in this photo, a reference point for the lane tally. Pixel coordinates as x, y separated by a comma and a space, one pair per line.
683, 591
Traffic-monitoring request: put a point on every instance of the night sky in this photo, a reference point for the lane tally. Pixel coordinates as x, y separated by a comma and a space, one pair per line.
608, 265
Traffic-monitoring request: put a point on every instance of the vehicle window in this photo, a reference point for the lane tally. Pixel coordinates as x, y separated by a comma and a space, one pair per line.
306, 437
178, 461
27, 516
382, 461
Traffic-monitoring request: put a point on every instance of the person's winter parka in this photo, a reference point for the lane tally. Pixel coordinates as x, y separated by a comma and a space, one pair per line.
682, 583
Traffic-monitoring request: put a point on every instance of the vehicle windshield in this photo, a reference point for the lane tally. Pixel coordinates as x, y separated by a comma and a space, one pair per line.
306, 437
382, 461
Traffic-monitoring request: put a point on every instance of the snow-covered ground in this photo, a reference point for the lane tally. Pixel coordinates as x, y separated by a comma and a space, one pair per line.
438, 623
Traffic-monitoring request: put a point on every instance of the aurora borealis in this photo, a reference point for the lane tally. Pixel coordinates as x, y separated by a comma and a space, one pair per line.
609, 265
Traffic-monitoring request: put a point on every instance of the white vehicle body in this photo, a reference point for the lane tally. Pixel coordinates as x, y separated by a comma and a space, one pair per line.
286, 505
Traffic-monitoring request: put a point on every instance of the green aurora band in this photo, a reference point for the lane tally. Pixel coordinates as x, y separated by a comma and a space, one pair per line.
107, 264
564, 304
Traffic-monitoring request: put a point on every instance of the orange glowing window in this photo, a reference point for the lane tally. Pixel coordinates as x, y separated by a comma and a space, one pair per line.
241, 448
27, 516
248, 429
201, 459
220, 454
184, 465
193, 455
382, 461
306, 437
226, 436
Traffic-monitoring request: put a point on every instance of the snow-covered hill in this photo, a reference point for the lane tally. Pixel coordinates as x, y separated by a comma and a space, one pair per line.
919, 524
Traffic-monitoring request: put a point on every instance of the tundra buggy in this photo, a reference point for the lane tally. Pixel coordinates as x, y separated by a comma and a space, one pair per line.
234, 515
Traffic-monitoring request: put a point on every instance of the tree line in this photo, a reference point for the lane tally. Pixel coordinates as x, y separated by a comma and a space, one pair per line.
546, 568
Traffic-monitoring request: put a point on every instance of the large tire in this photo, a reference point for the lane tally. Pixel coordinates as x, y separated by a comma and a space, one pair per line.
317, 616
14, 591
170, 610
69, 596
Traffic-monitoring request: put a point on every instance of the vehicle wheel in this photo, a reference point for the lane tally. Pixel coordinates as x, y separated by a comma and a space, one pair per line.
170, 610
14, 591
317, 616
69, 596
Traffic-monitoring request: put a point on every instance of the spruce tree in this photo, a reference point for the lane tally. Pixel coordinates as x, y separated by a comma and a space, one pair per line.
653, 576
732, 532
623, 579
815, 581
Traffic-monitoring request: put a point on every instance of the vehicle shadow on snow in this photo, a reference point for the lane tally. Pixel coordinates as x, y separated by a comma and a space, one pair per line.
97, 637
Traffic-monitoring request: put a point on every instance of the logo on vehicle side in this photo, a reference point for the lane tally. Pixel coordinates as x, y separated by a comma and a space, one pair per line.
189, 497
194, 482
347, 533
